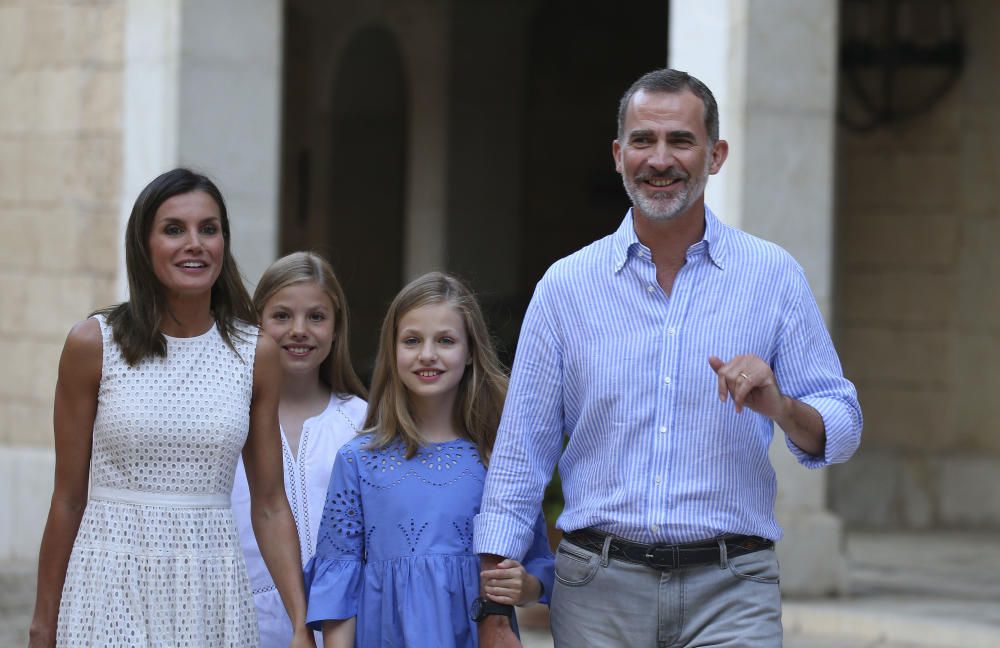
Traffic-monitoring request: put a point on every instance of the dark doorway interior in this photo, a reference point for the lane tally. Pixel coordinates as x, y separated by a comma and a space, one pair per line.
367, 183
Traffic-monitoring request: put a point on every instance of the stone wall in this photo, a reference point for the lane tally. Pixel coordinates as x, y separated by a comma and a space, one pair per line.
60, 170
918, 306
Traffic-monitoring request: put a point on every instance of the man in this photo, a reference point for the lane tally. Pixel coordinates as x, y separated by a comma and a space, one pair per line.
664, 353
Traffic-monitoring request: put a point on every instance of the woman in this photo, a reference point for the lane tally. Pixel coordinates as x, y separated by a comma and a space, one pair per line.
156, 398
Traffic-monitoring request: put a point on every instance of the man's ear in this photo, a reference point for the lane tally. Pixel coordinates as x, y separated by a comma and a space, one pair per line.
720, 151
616, 153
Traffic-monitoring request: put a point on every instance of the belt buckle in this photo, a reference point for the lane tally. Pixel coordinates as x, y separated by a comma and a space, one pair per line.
661, 556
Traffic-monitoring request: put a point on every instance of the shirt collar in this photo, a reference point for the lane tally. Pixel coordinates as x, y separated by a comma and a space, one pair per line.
625, 243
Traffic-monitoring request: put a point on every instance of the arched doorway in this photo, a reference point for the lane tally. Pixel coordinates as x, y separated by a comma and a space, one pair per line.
367, 182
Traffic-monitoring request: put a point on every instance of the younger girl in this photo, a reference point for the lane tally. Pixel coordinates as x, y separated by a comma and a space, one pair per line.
301, 306
394, 562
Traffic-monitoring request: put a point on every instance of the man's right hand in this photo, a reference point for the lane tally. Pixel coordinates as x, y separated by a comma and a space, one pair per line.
495, 632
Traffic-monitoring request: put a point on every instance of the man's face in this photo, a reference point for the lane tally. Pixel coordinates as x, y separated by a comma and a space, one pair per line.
664, 155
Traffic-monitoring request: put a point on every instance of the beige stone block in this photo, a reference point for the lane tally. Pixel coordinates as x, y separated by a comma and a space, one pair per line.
16, 378
18, 239
18, 101
877, 238
28, 423
13, 21
902, 418
45, 370
60, 100
101, 243
102, 101
13, 302
96, 169
896, 297
48, 169
63, 299
12, 163
898, 357
102, 34
57, 241
46, 31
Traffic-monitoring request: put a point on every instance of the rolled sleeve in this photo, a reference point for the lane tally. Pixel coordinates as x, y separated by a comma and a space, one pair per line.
807, 369
528, 441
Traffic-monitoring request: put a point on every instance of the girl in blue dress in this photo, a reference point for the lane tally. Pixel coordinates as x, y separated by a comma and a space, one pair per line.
394, 564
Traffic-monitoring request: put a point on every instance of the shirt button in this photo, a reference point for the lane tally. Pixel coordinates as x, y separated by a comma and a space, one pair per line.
655, 528
650, 288
667, 380
663, 428
671, 330
659, 479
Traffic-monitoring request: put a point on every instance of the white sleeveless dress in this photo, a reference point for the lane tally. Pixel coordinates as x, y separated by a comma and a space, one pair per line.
157, 559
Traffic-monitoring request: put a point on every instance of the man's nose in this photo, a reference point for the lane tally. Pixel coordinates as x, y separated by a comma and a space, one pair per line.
661, 157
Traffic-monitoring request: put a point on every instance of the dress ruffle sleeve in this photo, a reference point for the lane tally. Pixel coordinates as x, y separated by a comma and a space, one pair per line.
539, 561
334, 576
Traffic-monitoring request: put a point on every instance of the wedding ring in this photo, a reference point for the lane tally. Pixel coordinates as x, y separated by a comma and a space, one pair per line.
744, 376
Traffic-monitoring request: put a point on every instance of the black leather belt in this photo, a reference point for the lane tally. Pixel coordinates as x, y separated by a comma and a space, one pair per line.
667, 556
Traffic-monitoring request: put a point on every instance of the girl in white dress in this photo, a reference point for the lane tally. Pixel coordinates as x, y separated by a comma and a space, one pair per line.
155, 400
302, 306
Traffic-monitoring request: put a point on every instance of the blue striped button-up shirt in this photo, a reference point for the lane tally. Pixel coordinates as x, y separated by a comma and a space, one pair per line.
620, 368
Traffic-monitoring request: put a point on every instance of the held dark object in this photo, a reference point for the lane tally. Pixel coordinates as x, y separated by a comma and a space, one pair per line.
483, 607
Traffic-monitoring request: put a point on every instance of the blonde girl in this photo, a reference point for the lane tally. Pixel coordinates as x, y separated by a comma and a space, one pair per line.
302, 307
394, 563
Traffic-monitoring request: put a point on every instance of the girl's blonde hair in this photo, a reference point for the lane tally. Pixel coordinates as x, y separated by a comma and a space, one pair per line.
336, 371
481, 391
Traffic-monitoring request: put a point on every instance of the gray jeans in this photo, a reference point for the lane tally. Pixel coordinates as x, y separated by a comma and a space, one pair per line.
599, 602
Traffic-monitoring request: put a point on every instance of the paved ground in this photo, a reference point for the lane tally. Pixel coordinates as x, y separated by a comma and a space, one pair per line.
906, 591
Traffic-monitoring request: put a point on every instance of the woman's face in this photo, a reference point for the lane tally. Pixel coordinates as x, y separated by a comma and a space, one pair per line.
186, 247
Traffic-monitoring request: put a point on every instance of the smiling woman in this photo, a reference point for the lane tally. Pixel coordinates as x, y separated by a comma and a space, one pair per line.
156, 399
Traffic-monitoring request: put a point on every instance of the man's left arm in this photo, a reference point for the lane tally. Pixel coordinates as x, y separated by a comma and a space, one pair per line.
804, 390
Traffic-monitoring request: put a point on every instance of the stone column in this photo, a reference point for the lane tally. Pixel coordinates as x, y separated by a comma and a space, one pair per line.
772, 66
203, 89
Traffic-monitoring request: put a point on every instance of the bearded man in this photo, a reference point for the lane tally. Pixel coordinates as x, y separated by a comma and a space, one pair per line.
664, 354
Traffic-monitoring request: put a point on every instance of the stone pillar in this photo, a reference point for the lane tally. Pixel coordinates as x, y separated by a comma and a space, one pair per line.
772, 65
203, 89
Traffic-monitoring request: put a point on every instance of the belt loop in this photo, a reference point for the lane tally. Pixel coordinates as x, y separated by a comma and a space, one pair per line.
605, 550
723, 553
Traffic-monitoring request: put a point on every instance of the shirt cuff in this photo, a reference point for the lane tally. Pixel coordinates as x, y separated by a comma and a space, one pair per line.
842, 423
501, 535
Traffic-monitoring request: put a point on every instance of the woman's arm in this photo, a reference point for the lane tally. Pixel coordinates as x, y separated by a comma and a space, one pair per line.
339, 633
73, 422
272, 520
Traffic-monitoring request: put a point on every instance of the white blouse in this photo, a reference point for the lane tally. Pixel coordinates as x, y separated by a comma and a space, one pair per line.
307, 477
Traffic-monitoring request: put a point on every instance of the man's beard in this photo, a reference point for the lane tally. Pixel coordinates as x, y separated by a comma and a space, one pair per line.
664, 207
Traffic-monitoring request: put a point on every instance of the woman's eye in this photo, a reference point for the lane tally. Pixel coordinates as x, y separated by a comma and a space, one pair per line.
410, 341
317, 317
447, 340
172, 230
280, 316
210, 229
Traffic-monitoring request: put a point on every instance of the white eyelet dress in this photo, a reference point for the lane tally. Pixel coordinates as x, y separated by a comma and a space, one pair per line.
157, 560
